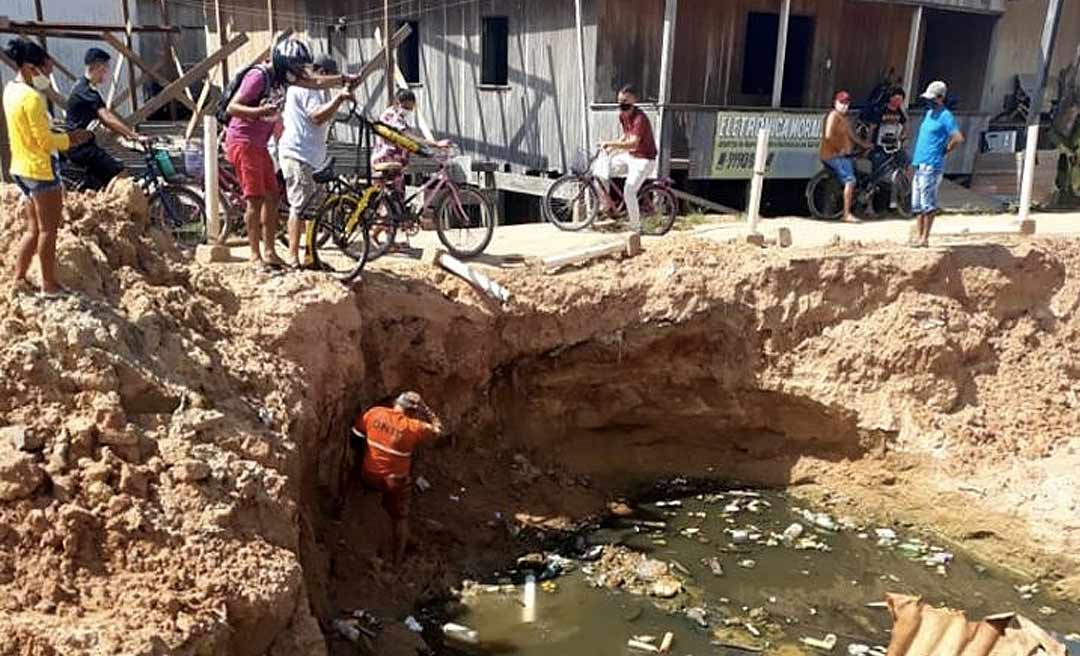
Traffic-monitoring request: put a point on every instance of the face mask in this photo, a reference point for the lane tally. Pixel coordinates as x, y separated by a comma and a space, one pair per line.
625, 107
41, 83
408, 114
841, 107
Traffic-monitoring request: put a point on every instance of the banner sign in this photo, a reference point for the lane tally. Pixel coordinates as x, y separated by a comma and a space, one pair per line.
794, 138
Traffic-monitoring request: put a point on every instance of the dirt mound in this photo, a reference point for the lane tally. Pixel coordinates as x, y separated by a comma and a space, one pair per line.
174, 469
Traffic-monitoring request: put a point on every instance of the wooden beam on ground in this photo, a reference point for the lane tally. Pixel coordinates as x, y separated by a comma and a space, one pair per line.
146, 67
49, 27
629, 246
50, 93
177, 87
701, 202
200, 110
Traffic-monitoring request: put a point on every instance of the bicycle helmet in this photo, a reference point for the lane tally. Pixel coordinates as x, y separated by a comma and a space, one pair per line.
290, 60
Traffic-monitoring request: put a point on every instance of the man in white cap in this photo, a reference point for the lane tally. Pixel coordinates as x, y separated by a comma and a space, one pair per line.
939, 134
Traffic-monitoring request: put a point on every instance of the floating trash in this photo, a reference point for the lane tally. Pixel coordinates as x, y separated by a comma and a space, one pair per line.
792, 533
413, 625
826, 644
460, 633
748, 563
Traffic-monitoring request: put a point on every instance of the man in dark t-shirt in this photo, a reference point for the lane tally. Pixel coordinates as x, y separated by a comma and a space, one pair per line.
890, 127
633, 154
85, 106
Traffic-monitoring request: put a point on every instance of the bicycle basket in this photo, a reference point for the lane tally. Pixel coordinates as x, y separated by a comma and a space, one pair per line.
579, 163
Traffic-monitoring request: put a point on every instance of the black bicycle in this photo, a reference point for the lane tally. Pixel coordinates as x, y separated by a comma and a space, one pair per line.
886, 187
173, 206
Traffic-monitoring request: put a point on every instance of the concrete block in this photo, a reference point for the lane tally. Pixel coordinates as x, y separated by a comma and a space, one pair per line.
756, 238
633, 244
783, 237
210, 253
1027, 227
22, 438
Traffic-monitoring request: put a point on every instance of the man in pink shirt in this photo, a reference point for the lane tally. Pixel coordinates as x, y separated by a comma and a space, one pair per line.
254, 111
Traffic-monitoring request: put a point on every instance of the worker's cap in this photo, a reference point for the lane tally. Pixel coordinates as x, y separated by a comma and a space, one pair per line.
326, 63
409, 401
842, 97
936, 89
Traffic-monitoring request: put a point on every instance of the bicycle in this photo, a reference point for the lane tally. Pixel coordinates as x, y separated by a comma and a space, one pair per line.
173, 206
572, 203
464, 218
887, 186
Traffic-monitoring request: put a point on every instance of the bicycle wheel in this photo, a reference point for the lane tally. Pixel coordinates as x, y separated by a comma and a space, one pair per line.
180, 211
465, 222
825, 196
382, 224
571, 203
901, 194
659, 209
356, 247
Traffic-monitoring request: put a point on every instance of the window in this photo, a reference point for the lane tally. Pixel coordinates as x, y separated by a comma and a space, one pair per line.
495, 49
759, 56
408, 53
759, 53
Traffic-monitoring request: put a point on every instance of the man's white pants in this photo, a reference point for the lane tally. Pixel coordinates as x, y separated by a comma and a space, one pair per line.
635, 169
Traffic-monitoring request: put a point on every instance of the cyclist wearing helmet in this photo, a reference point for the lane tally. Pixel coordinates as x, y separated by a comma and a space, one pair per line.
254, 110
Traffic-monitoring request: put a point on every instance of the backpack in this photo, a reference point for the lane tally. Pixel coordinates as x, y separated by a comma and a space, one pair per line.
222, 113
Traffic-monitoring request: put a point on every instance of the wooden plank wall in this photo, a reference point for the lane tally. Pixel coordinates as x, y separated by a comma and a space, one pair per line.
532, 123
629, 39
709, 53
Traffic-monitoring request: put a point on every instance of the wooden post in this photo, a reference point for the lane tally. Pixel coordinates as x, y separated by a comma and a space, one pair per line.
389, 51
585, 113
176, 88
667, 56
273, 23
131, 46
1046, 55
41, 19
781, 52
757, 183
210, 179
223, 37
912, 50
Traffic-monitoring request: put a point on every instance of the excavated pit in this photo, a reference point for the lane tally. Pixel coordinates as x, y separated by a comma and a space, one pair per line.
192, 492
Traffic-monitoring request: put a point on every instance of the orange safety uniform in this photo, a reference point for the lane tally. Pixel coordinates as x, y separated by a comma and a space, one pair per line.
391, 438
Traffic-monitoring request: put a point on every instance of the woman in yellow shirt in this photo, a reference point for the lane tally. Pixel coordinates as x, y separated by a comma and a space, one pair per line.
33, 164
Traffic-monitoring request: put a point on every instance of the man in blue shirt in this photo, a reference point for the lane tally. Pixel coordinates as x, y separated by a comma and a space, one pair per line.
938, 135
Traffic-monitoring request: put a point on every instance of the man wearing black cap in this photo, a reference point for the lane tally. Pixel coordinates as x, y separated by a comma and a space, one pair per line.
302, 148
85, 106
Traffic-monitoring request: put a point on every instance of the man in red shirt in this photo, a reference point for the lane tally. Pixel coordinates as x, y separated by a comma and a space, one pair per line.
392, 434
632, 155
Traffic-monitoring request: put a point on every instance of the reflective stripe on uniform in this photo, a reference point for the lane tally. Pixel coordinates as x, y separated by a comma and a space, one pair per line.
386, 449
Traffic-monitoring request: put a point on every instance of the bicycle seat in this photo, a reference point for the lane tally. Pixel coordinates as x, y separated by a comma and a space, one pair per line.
326, 173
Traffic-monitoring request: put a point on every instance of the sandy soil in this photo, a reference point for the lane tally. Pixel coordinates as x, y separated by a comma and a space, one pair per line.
175, 476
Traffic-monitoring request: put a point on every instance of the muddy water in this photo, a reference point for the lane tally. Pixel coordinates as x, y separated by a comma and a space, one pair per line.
771, 593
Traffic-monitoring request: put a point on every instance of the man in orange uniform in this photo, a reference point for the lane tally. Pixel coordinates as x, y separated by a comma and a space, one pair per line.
392, 434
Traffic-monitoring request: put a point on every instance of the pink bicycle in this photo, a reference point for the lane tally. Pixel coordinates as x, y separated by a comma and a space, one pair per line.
463, 216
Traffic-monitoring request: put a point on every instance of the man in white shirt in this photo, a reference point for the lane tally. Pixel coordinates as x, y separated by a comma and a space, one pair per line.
302, 147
